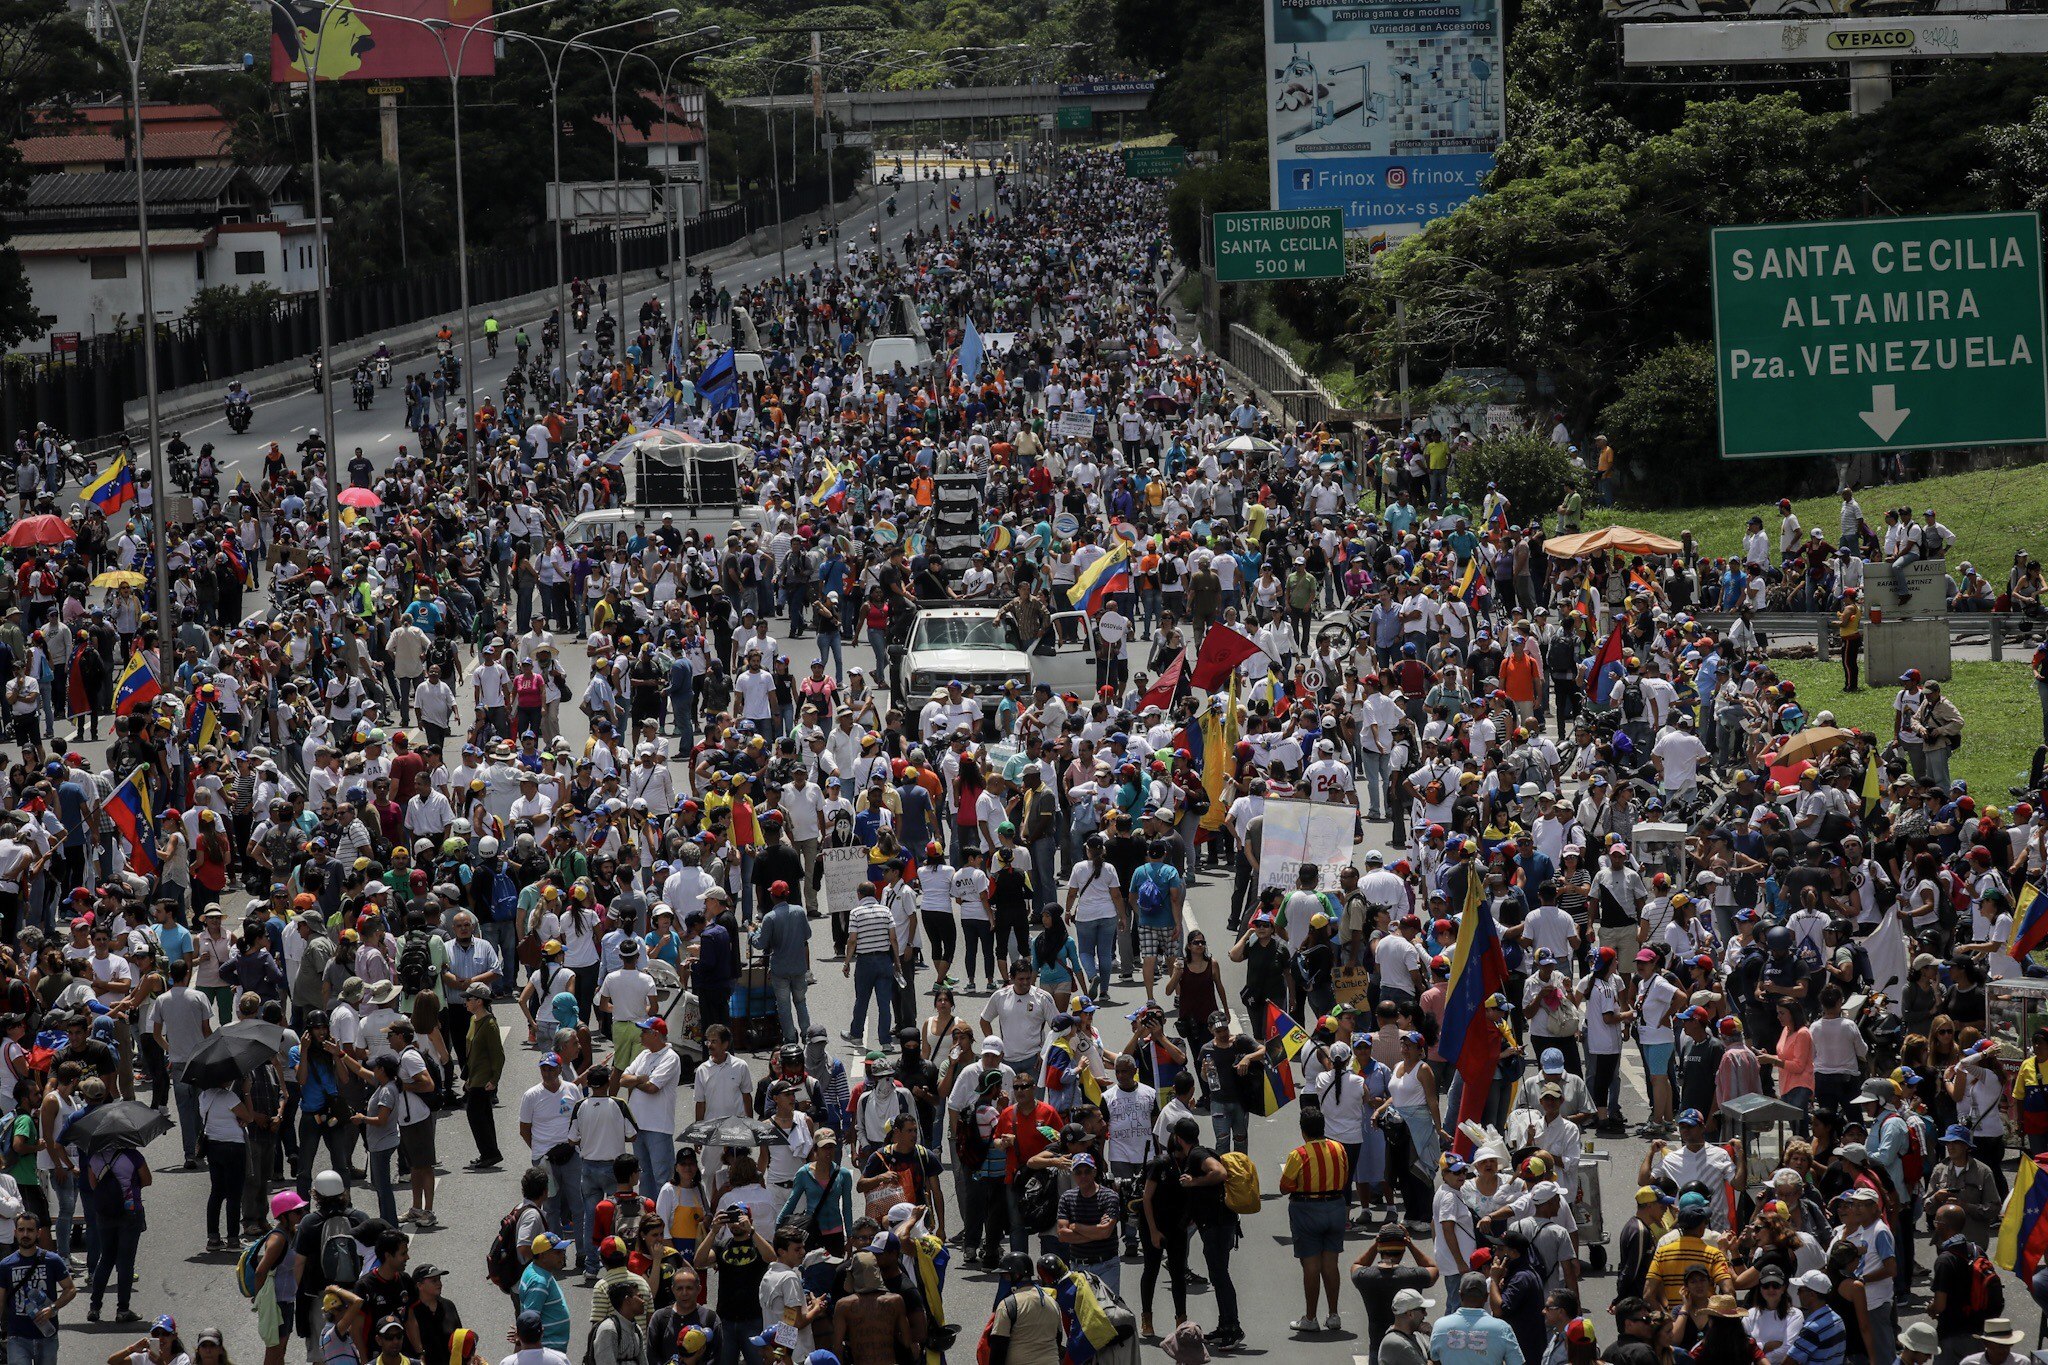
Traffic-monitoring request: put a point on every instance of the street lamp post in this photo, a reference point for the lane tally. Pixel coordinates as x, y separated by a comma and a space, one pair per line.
131, 53
615, 73
679, 246
554, 75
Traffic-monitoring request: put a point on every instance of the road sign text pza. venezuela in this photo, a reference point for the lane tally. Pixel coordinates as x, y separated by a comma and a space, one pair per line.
1879, 334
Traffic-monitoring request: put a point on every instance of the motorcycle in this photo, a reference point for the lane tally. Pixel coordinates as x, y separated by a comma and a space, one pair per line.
183, 470
82, 468
891, 206
582, 316
383, 371
365, 392
239, 411
319, 378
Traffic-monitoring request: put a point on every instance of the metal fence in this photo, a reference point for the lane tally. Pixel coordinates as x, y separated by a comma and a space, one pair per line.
85, 394
1300, 395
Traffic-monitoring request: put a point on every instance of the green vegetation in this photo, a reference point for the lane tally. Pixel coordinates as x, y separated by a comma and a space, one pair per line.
47, 59
2001, 719
1992, 511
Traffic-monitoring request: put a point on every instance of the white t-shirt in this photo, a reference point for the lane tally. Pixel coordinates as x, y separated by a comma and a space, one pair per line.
1657, 998
1021, 1020
655, 1111
1129, 1114
1398, 960
547, 1114
1602, 1038
1449, 1206
1096, 900
631, 992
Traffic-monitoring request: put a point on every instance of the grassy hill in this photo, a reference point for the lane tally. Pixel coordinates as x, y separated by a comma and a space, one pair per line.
2001, 718
1993, 513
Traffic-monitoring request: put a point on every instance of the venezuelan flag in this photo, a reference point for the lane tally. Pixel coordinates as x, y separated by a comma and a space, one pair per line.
953, 201
114, 488
1478, 969
135, 819
830, 493
137, 686
1109, 574
1088, 1329
1276, 1088
235, 560
1281, 1028
204, 722
1469, 580
2029, 922
2023, 1231
1215, 755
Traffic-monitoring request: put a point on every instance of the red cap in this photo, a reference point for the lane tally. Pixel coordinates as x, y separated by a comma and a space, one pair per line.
779, 890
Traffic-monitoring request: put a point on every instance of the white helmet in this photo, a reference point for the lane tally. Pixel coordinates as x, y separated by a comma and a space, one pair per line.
487, 848
329, 1185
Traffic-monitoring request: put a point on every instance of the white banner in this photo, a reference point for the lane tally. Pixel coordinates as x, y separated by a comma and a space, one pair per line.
1298, 832
1077, 424
845, 870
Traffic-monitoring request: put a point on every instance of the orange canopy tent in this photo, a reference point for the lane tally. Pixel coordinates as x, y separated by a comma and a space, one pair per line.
1623, 538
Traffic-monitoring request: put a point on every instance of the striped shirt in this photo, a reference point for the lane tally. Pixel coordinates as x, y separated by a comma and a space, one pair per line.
1320, 1167
871, 927
1670, 1261
1823, 1339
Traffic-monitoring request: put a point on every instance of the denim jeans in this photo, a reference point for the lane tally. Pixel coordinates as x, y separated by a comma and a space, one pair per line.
657, 1153
32, 1350
793, 1006
1372, 782
187, 1099
381, 1182
829, 646
1233, 1125
62, 1192
1045, 852
596, 1181
563, 1206
874, 976
1098, 950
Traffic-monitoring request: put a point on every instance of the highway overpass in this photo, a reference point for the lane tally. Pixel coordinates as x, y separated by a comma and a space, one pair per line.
862, 107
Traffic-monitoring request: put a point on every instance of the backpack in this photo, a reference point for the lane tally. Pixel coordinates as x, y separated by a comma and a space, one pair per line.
1153, 901
1986, 1291
341, 1256
501, 1260
416, 961
246, 1263
1632, 699
504, 898
1240, 1183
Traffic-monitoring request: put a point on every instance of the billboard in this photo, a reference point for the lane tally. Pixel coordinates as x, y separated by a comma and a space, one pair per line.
1742, 41
1388, 111
377, 42
1797, 9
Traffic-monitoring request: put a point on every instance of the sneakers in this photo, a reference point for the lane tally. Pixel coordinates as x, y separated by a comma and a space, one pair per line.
1304, 1323
1224, 1339
1333, 1323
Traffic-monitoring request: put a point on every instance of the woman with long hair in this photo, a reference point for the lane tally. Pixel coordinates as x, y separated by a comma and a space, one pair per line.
821, 1198
1196, 989
683, 1205
1793, 1055
1773, 1319
1056, 960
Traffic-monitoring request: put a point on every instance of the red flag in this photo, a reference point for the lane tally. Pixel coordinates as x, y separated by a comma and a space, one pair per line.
1166, 691
1222, 650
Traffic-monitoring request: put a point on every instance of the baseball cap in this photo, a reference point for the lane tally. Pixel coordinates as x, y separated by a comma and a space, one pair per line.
1815, 1281
546, 1242
1691, 1118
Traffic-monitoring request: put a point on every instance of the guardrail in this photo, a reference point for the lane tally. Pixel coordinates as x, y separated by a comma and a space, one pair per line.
1269, 368
1994, 628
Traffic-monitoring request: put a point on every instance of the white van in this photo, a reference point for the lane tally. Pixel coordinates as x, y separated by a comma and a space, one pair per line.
885, 353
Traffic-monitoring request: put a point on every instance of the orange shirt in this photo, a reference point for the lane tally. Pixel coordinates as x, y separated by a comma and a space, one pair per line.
1520, 676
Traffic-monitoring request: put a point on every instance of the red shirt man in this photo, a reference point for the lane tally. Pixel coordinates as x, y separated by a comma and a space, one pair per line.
1017, 1127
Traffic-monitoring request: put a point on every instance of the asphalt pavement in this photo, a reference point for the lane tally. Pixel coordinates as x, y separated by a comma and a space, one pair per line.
177, 1276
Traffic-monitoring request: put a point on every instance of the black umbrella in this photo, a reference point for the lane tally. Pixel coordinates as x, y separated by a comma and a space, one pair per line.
232, 1053
734, 1130
123, 1123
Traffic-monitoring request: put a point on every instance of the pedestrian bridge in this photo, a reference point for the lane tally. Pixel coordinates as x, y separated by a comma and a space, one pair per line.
863, 107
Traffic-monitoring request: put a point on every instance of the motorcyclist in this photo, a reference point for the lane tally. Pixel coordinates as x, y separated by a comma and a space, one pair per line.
237, 395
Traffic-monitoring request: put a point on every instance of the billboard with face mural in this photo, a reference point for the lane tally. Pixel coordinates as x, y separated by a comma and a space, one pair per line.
378, 41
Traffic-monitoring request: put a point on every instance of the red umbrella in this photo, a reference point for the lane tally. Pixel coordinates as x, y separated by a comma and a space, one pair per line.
42, 529
353, 496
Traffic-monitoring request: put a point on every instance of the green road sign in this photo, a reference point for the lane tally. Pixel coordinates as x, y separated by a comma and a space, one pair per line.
1075, 118
1155, 163
1288, 244
1880, 334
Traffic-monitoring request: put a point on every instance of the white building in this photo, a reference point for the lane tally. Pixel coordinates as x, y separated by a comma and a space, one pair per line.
221, 225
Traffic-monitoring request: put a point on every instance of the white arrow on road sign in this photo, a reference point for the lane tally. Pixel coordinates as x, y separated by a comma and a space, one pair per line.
1885, 415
